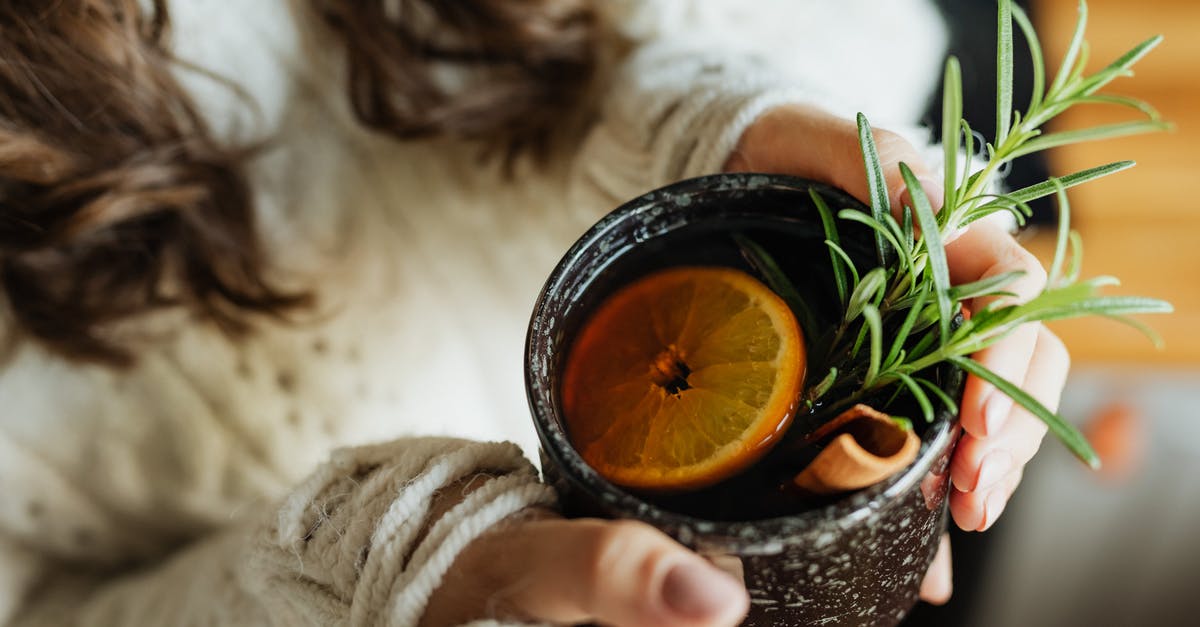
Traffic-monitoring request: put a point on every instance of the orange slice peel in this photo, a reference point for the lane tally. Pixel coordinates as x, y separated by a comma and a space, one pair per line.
683, 378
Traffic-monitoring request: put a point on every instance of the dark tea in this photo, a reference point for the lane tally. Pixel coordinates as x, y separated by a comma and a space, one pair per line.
672, 293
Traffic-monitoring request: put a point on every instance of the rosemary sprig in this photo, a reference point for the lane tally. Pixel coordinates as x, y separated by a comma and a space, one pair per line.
901, 311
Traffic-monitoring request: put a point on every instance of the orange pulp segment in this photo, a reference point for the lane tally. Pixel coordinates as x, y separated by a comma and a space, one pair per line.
683, 378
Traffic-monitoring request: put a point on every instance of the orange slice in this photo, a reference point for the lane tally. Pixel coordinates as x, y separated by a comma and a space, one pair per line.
683, 378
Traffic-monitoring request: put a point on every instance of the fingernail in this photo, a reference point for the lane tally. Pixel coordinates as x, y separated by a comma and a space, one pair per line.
993, 505
699, 591
933, 190
994, 467
995, 412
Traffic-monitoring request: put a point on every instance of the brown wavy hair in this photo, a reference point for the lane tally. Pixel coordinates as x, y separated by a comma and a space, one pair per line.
115, 200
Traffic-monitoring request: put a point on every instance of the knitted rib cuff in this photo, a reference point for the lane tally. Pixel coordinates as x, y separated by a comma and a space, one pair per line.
483, 508
719, 125
357, 543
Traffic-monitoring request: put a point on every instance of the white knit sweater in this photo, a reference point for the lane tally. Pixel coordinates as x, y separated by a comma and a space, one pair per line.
175, 493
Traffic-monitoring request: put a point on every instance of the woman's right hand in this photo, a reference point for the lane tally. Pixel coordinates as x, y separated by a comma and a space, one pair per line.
543, 568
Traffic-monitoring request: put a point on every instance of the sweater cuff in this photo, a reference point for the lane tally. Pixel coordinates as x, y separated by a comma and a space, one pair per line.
714, 132
357, 543
674, 112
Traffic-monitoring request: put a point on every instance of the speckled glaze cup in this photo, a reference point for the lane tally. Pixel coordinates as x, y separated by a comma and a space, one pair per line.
858, 560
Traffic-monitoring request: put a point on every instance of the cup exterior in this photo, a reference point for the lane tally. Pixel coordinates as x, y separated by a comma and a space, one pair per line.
857, 561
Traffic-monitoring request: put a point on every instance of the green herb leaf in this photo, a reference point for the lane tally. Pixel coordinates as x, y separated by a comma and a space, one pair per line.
929, 317
1076, 264
903, 246
871, 315
984, 287
1120, 67
836, 249
909, 239
1151, 334
1073, 50
1045, 188
1019, 209
876, 184
1122, 101
969, 141
1108, 131
932, 236
859, 338
854, 215
915, 288
869, 290
951, 406
777, 280
1100, 305
1054, 277
1035, 55
1065, 432
831, 234
1004, 70
821, 388
901, 336
924, 345
918, 395
951, 114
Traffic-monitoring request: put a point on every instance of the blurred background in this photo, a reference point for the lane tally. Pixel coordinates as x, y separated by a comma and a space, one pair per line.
1119, 547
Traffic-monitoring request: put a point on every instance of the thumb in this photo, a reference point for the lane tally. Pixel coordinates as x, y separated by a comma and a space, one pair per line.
806, 141
621, 573
893, 150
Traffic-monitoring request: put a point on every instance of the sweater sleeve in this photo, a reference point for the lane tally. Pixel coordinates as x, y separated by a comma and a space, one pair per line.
695, 75
673, 111
354, 544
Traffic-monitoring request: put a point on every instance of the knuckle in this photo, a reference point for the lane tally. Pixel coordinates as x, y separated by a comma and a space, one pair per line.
614, 545
1055, 349
624, 560
1014, 257
894, 148
1035, 272
889, 139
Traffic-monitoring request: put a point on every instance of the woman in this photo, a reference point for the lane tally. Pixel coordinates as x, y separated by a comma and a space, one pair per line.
233, 241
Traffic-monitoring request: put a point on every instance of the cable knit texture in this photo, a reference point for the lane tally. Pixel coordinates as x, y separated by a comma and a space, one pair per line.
176, 493
354, 543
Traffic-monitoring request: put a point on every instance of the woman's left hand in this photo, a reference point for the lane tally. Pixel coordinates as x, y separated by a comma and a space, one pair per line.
999, 438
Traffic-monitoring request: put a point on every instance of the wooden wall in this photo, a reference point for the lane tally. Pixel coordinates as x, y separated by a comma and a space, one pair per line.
1142, 225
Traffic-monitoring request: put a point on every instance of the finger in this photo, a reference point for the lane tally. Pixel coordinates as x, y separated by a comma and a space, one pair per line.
849, 168
894, 150
979, 463
610, 572
809, 142
625, 573
979, 510
938, 583
982, 252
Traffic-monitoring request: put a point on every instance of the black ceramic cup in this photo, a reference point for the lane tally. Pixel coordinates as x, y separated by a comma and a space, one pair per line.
855, 560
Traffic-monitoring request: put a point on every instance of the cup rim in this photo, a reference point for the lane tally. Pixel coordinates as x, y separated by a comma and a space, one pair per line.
814, 527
